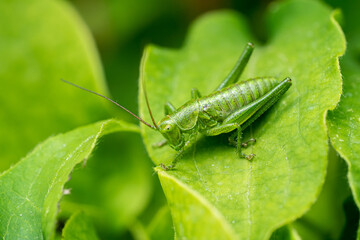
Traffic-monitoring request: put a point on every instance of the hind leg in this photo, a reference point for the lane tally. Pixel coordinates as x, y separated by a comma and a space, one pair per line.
238, 68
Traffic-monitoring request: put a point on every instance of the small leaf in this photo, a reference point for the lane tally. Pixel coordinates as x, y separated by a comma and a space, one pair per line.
30, 190
79, 227
211, 186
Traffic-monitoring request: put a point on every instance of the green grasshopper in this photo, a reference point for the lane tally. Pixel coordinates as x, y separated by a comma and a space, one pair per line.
232, 106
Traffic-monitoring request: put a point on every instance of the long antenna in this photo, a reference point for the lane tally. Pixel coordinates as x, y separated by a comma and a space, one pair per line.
144, 87
73, 84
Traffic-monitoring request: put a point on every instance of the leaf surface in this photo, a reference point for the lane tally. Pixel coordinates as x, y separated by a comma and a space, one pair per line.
211, 186
30, 190
344, 121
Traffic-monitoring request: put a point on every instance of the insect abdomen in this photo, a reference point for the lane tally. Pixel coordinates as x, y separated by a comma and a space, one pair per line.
250, 90
222, 103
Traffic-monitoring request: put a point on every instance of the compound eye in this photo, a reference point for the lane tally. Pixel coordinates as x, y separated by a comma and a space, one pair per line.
168, 127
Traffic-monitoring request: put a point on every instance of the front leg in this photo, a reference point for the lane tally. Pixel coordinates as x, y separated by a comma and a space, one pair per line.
174, 161
187, 145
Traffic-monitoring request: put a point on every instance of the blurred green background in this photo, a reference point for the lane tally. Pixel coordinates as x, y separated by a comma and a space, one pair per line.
117, 189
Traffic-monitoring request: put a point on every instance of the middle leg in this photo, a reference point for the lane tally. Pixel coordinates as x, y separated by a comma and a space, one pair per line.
239, 145
233, 140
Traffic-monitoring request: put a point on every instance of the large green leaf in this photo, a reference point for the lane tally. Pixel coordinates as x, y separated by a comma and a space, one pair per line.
40, 43
344, 121
30, 191
211, 186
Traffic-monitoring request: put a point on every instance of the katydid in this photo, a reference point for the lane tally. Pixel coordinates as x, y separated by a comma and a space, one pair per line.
231, 107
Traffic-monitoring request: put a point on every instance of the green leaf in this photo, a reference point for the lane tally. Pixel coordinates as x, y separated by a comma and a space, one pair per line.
211, 186
30, 190
79, 227
40, 43
344, 121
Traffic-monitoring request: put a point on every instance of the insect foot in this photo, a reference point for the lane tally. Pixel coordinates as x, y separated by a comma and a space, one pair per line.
246, 144
250, 156
233, 142
247, 157
166, 168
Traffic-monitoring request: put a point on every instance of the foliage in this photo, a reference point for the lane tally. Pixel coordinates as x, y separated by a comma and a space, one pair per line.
295, 187
31, 189
211, 186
